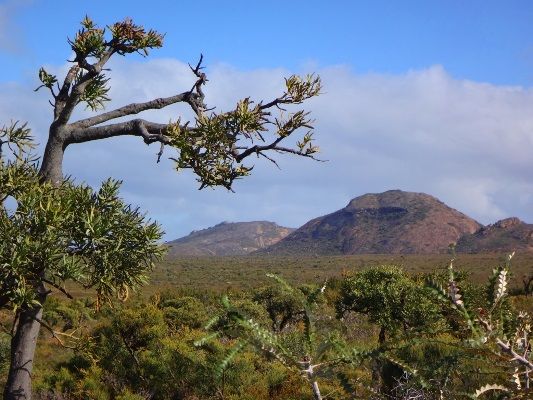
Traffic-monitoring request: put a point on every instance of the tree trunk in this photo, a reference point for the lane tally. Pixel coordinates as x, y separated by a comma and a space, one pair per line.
316, 391
307, 369
52, 166
23, 345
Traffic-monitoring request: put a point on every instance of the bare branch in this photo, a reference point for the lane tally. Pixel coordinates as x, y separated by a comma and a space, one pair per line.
62, 290
150, 132
63, 93
77, 91
131, 109
270, 159
274, 103
198, 104
507, 348
56, 334
256, 149
160, 153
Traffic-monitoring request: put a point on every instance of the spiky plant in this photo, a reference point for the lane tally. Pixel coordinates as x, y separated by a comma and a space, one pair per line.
310, 354
490, 329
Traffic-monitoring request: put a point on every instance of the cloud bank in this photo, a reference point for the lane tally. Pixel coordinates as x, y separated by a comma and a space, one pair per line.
467, 143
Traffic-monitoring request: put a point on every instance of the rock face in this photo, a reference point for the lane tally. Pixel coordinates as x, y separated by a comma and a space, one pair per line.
228, 239
390, 222
507, 235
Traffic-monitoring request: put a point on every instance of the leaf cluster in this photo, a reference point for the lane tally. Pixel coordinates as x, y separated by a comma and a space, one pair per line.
390, 299
96, 92
69, 232
90, 85
127, 37
18, 140
207, 151
212, 147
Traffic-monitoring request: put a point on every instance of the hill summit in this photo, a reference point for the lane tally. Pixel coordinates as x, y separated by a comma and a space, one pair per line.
395, 222
228, 239
506, 235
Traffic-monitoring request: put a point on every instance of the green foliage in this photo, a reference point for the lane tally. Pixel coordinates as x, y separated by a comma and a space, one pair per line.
89, 41
140, 349
127, 37
210, 149
67, 232
300, 89
95, 93
490, 333
67, 316
303, 350
47, 80
283, 307
136, 352
130, 38
19, 141
390, 299
5, 340
184, 311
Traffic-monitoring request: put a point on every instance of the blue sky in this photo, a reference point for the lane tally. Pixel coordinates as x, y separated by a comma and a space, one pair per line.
428, 96
482, 40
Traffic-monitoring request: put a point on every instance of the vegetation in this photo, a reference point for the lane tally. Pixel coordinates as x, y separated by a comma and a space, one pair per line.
246, 272
58, 231
372, 333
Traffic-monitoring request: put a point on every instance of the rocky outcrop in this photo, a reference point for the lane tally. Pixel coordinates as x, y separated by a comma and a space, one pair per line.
228, 239
506, 235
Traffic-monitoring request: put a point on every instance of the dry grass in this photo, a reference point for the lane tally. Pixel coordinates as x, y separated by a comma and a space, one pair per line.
220, 273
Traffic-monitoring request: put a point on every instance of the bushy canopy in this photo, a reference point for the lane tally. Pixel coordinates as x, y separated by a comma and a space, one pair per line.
56, 233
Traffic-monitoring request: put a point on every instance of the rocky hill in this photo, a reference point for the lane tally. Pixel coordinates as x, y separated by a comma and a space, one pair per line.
507, 235
227, 239
390, 222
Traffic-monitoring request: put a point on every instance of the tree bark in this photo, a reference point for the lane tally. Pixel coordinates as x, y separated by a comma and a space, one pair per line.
316, 390
52, 166
23, 345
309, 370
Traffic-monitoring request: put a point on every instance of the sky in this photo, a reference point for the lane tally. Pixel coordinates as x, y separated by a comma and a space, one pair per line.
422, 96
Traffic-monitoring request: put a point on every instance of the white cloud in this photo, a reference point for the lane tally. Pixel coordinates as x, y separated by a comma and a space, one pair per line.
465, 142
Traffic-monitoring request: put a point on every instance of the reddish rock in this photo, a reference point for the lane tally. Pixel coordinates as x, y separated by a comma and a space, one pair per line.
504, 236
391, 222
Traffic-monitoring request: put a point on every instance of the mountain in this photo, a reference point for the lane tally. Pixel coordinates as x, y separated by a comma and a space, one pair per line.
228, 238
390, 222
507, 235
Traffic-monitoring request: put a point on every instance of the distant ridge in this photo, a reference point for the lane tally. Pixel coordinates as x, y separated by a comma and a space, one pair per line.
228, 238
394, 222
506, 235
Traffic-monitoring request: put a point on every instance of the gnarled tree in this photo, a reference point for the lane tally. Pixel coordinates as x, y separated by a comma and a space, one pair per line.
214, 146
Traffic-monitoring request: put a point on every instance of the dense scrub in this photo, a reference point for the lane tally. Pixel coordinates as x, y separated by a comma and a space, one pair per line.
375, 333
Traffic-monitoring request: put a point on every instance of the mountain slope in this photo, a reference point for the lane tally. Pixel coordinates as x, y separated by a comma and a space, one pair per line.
507, 235
390, 222
227, 239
